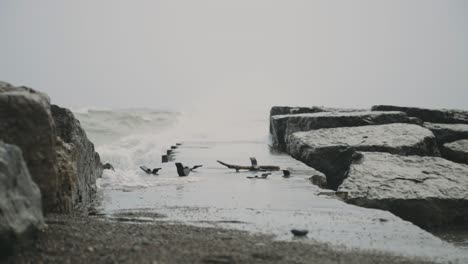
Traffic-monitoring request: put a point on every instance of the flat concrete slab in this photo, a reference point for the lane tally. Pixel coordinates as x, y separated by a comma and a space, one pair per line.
451, 116
284, 125
331, 150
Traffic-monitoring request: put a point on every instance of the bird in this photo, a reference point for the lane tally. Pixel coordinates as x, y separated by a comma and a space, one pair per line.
265, 175
253, 160
286, 174
196, 167
149, 171
181, 170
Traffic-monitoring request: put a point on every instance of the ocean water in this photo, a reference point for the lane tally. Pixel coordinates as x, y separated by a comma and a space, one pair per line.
218, 197
129, 138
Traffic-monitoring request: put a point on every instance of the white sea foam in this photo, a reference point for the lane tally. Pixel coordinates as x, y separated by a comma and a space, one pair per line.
131, 138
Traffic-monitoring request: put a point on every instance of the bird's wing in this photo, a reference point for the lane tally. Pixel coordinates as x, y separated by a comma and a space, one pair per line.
145, 169
253, 160
196, 167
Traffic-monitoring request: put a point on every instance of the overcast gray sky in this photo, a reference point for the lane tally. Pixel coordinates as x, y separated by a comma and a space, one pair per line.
240, 53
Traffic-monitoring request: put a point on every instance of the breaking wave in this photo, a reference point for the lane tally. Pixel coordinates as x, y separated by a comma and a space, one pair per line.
130, 138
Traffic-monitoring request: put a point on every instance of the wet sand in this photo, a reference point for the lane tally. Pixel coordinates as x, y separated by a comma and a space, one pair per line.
73, 239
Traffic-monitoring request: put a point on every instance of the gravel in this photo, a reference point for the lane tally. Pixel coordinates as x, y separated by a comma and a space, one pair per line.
78, 239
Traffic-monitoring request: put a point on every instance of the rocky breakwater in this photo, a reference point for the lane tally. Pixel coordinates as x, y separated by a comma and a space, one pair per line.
283, 126
448, 126
332, 150
20, 200
59, 157
383, 160
428, 191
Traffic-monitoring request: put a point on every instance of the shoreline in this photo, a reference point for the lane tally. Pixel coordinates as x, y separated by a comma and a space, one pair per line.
80, 239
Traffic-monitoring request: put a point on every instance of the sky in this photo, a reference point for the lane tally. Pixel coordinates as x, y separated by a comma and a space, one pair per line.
226, 55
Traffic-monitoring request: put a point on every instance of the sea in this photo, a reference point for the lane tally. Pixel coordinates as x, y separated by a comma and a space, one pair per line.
215, 196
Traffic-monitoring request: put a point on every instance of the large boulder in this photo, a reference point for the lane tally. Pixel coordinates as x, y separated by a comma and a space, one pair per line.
26, 121
60, 158
81, 156
428, 191
429, 115
284, 125
445, 133
20, 200
331, 150
456, 151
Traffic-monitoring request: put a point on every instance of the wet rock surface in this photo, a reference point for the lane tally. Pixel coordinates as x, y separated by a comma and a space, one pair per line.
428, 191
456, 151
445, 133
429, 115
284, 125
26, 121
60, 158
331, 150
20, 201
81, 157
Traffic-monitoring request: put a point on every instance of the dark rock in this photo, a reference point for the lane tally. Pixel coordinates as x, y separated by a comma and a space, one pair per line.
60, 158
20, 201
299, 232
332, 150
26, 121
445, 133
428, 191
108, 166
319, 180
429, 115
288, 110
285, 125
82, 156
456, 151
415, 120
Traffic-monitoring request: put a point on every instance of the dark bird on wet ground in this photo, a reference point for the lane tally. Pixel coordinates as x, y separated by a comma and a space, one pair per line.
149, 171
182, 170
253, 161
286, 174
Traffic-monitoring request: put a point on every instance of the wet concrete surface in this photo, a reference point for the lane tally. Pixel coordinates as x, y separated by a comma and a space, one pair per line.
218, 197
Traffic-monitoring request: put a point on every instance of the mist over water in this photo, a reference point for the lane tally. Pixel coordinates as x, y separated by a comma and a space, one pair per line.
223, 56
129, 138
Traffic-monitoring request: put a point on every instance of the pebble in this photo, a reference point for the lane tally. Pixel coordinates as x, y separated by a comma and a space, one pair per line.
299, 232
